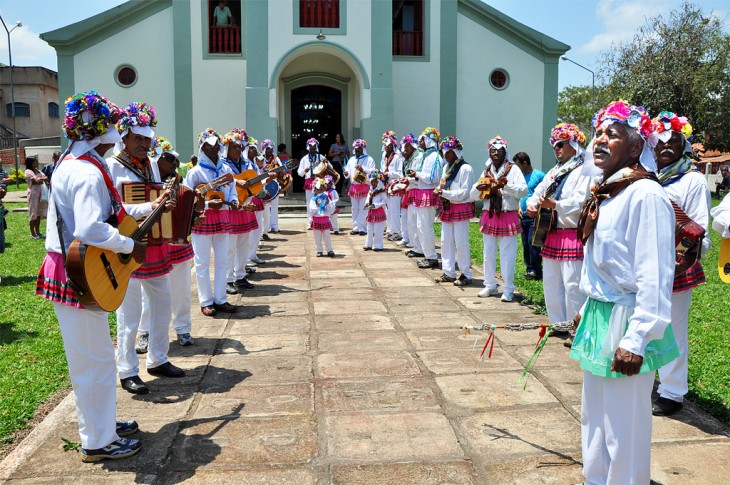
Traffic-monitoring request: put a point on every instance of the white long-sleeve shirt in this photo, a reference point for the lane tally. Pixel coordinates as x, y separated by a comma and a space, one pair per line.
720, 217
306, 166
329, 207
81, 197
515, 189
574, 194
201, 174
692, 194
395, 168
629, 259
460, 188
120, 175
365, 161
379, 200
428, 170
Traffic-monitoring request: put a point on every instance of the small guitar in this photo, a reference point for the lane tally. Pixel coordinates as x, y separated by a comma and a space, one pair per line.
208, 191
254, 179
102, 275
545, 218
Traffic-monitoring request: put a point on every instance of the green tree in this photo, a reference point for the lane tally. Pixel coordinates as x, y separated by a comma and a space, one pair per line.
578, 104
679, 63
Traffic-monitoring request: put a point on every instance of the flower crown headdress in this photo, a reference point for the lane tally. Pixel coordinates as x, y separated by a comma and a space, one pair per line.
409, 138
312, 141
567, 132
252, 142
137, 114
88, 115
359, 143
451, 142
497, 142
432, 133
377, 174
206, 135
267, 144
668, 121
621, 111
389, 138
161, 145
236, 135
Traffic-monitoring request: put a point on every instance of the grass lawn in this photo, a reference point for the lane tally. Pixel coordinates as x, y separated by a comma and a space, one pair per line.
709, 325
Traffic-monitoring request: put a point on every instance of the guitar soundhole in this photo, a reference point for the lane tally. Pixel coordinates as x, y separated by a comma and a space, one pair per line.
125, 258
726, 268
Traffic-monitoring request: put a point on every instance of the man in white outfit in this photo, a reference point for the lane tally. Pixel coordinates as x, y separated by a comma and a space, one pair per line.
392, 167
360, 161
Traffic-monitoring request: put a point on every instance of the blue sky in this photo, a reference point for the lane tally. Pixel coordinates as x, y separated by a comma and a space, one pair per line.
588, 26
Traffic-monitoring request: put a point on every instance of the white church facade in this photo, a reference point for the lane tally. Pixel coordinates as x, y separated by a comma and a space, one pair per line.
292, 69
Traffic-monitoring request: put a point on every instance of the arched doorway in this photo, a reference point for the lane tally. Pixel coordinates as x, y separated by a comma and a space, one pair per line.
316, 112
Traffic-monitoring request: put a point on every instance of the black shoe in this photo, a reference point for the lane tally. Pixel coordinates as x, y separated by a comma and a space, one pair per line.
319, 255
354, 232
414, 254
531, 275
367, 248
116, 450
568, 342
126, 428
134, 385
444, 278
231, 289
377, 250
224, 307
166, 370
337, 233
363, 233
265, 237
428, 263
331, 254
250, 270
665, 407
462, 281
244, 283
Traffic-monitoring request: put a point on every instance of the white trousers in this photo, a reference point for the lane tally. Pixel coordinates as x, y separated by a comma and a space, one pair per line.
507, 257
455, 248
393, 213
374, 238
90, 356
239, 247
307, 198
266, 227
273, 210
563, 298
129, 316
673, 376
616, 429
180, 300
359, 214
202, 245
405, 231
320, 236
335, 221
413, 229
426, 234
256, 234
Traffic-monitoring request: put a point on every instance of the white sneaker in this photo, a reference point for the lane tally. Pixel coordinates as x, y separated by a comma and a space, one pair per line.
486, 292
507, 297
401, 243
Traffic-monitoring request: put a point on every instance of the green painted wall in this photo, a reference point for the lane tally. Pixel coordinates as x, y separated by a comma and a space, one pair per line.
258, 122
184, 136
381, 81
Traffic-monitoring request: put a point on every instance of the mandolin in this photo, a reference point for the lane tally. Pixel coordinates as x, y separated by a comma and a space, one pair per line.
254, 179
102, 276
209, 191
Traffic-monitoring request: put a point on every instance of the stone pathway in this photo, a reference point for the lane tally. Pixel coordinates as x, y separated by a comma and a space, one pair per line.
355, 370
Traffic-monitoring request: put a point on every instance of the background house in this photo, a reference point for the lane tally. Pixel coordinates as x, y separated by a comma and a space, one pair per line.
292, 69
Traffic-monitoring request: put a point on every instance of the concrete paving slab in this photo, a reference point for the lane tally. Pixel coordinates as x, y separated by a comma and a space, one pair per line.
442, 362
422, 292
497, 436
367, 364
337, 273
567, 381
486, 392
361, 341
379, 394
424, 473
437, 339
268, 326
403, 282
246, 371
263, 401
343, 306
408, 305
419, 320
554, 355
320, 283
337, 323
695, 463
343, 294
268, 345
549, 469
367, 438
259, 475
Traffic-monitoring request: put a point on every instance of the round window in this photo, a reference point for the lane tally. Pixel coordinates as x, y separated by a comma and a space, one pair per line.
499, 79
126, 76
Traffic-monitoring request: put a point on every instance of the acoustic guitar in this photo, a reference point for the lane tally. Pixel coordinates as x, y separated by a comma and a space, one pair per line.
102, 276
254, 179
545, 218
723, 261
209, 191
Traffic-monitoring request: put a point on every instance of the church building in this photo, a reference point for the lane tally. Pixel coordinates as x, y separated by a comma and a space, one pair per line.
290, 70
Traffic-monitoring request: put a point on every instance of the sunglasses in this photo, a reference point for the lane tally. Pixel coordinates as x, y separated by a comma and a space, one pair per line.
559, 145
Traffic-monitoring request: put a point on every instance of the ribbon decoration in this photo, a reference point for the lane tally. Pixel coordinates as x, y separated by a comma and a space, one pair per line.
517, 327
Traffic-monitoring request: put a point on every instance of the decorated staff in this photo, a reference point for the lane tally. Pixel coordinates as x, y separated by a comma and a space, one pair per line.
555, 204
687, 189
624, 336
501, 188
457, 208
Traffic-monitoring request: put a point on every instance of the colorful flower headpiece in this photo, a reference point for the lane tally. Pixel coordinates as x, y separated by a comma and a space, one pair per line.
252, 142
668, 121
207, 136
497, 142
88, 115
267, 144
432, 133
621, 111
236, 135
329, 179
409, 138
161, 145
451, 143
359, 143
137, 114
312, 141
319, 184
389, 138
567, 132
377, 174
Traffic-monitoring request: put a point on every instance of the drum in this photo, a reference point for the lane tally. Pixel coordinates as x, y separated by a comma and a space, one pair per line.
397, 187
360, 177
270, 191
